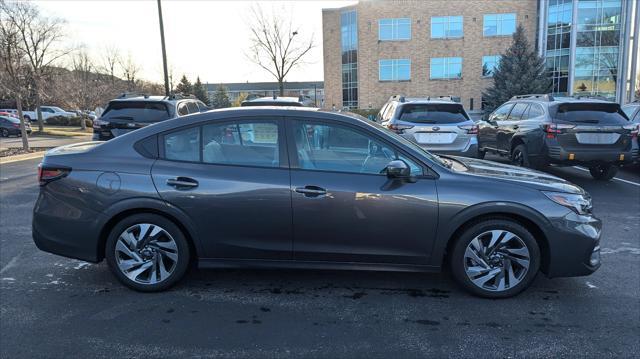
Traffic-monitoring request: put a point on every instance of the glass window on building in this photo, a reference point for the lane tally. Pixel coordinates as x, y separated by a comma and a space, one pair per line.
559, 16
598, 39
394, 29
489, 64
349, 47
499, 24
446, 68
443, 27
394, 70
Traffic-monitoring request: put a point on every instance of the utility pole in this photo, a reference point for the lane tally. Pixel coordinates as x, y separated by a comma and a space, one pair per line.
164, 51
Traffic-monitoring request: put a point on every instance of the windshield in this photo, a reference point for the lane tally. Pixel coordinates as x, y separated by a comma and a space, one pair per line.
57, 109
590, 113
133, 111
437, 159
433, 113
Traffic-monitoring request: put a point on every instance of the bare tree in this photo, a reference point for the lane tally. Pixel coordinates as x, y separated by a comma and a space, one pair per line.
276, 45
40, 38
110, 60
129, 70
14, 71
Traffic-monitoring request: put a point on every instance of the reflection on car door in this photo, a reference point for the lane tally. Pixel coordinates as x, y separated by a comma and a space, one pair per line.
508, 127
344, 209
488, 131
232, 179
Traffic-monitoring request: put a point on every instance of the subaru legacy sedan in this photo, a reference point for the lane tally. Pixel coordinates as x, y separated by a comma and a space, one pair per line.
306, 188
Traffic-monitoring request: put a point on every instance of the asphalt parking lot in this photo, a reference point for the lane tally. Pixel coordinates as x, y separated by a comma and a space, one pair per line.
56, 307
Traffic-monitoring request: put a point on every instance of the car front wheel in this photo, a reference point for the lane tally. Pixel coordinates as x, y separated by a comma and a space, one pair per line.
495, 258
147, 252
603, 172
4, 132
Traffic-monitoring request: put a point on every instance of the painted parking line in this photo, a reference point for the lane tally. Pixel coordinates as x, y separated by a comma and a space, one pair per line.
615, 178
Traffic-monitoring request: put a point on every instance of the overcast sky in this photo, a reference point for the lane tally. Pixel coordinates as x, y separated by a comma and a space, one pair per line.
205, 38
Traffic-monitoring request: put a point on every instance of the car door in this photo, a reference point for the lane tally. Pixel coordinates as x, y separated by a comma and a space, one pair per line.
488, 130
231, 178
508, 127
345, 209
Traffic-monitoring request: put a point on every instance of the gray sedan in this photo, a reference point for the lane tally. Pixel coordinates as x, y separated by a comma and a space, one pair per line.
305, 188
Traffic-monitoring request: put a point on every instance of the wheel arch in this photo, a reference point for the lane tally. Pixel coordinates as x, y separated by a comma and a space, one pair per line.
129, 207
529, 218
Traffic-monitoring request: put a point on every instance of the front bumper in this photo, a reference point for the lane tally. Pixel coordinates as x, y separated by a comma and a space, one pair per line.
574, 246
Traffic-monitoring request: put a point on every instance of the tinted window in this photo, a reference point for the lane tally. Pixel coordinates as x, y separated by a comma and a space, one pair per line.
193, 108
597, 113
535, 110
342, 149
629, 110
249, 144
183, 145
136, 111
391, 109
501, 113
183, 109
433, 113
518, 110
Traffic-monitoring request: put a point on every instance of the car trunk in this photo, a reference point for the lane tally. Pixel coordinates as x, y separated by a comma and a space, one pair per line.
591, 126
435, 124
124, 116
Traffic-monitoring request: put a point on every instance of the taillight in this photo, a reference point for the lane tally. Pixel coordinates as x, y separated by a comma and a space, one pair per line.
48, 173
399, 129
553, 129
471, 129
633, 129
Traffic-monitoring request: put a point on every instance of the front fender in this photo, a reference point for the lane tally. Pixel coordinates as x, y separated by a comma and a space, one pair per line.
452, 224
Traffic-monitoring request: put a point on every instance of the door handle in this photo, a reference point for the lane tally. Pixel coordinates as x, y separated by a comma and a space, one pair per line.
182, 182
311, 191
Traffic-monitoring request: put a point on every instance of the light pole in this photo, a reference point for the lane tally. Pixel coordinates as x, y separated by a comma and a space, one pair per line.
164, 51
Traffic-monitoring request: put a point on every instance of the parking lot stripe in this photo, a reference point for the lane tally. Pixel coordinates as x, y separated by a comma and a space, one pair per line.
615, 178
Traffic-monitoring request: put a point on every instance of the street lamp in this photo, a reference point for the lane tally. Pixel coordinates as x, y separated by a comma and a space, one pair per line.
164, 51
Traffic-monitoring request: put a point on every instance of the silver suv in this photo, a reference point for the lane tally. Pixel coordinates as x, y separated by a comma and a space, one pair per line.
437, 124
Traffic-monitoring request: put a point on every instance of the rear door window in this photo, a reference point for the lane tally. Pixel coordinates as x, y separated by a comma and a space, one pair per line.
241, 143
535, 110
183, 145
183, 110
518, 110
501, 113
193, 108
590, 113
433, 113
136, 111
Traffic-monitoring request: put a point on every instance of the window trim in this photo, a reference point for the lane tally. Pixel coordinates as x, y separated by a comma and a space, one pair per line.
394, 62
283, 153
499, 23
290, 121
447, 27
446, 67
394, 30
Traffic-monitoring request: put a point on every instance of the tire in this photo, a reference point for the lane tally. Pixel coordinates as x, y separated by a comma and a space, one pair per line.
481, 154
155, 267
603, 172
520, 157
4, 132
516, 250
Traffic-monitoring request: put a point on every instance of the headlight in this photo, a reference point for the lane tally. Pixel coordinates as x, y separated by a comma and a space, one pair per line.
581, 204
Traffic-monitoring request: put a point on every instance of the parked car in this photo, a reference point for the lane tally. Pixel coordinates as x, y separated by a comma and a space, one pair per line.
632, 110
436, 124
6, 113
305, 188
131, 112
301, 101
10, 126
538, 130
47, 112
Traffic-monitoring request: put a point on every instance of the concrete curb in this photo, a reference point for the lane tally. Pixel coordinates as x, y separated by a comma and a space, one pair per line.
23, 157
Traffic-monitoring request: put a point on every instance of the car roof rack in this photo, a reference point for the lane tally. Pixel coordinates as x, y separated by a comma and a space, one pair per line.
593, 97
546, 97
179, 96
133, 94
400, 98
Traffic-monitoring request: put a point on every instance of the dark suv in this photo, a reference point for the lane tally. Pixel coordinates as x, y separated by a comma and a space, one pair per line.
537, 130
128, 113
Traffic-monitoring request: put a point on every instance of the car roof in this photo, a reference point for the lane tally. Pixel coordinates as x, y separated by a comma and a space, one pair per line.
143, 98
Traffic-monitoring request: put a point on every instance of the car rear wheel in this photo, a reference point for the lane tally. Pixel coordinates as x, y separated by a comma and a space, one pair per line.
4, 132
482, 154
147, 252
495, 258
603, 172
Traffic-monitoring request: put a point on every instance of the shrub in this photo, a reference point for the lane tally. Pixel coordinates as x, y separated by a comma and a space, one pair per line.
69, 121
367, 113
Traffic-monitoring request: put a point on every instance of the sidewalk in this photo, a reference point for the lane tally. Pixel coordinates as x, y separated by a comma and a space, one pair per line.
42, 141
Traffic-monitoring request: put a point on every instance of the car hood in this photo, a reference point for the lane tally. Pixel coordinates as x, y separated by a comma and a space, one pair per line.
527, 177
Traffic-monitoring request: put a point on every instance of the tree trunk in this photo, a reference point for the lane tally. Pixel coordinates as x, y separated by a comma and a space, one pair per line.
23, 131
38, 110
281, 87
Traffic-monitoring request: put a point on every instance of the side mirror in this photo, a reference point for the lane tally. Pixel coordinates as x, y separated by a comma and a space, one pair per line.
397, 169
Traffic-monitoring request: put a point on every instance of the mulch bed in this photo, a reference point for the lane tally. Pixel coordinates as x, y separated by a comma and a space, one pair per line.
19, 151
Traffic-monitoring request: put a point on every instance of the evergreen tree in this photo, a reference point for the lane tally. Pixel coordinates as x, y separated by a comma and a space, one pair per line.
200, 91
520, 71
221, 98
184, 87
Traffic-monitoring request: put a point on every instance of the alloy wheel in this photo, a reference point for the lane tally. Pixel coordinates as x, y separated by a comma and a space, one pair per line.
146, 253
518, 158
496, 260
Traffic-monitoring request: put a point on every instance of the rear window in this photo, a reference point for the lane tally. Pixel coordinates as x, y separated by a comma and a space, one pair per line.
433, 113
596, 113
147, 112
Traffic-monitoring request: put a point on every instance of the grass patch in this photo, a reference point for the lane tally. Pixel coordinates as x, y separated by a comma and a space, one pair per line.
62, 131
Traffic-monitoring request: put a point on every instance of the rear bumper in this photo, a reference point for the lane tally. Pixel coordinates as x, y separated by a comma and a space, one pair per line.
574, 246
101, 135
558, 155
470, 149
